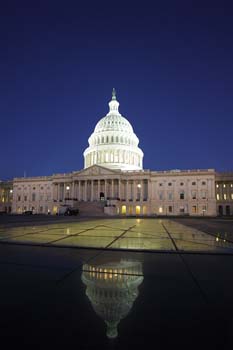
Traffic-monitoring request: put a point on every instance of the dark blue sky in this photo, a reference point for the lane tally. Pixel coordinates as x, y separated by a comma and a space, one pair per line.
171, 63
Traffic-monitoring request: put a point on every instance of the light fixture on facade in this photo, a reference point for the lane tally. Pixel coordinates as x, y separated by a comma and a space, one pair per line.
139, 185
11, 191
67, 187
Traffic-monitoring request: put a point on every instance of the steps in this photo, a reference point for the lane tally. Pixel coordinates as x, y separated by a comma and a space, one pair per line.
91, 208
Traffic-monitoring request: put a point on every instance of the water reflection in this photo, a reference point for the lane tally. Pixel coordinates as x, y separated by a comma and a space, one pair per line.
112, 288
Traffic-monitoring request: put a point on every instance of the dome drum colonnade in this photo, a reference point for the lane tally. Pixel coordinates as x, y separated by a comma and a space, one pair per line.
113, 144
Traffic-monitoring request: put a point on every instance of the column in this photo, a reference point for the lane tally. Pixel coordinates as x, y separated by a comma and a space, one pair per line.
127, 190
119, 188
105, 189
92, 187
85, 190
79, 190
112, 188
134, 190
98, 190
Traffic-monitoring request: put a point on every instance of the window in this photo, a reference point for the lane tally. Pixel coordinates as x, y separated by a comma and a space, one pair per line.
42, 188
194, 195
182, 195
170, 209
160, 184
224, 185
232, 196
161, 196
217, 197
19, 198
225, 196
194, 209
33, 197
169, 184
193, 183
170, 197
25, 198
217, 185
34, 188
181, 184
231, 185
203, 195
203, 183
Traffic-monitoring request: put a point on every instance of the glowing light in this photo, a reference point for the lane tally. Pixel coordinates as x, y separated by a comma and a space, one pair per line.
160, 209
139, 185
67, 187
11, 191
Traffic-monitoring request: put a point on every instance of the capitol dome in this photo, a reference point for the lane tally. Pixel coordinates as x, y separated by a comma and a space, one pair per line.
113, 144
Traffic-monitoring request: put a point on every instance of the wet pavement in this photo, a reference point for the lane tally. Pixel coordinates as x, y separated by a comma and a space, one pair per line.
53, 297
128, 234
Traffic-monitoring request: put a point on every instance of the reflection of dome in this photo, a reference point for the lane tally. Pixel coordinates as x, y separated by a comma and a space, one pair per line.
112, 289
113, 143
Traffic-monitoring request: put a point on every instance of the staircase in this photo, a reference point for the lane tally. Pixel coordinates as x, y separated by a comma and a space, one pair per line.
91, 208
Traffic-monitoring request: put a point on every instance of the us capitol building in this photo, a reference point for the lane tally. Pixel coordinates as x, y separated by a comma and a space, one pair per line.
114, 182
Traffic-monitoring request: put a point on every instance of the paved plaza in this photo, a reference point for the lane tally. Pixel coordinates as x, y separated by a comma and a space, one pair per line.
130, 234
148, 281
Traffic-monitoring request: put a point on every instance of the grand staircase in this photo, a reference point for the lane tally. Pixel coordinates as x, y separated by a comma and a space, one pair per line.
91, 208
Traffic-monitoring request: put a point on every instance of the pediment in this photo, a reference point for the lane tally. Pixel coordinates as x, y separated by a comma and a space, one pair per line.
97, 170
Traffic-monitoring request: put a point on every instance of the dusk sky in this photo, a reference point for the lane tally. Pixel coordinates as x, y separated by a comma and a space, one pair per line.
171, 63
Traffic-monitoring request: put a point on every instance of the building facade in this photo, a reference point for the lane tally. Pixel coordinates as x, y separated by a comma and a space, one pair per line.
114, 182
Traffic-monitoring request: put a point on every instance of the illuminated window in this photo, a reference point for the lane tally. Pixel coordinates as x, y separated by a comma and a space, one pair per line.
224, 185
217, 197
138, 209
217, 185
160, 209
123, 209
231, 185
225, 196
232, 196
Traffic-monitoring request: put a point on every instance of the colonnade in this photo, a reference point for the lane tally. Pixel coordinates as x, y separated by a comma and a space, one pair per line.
94, 190
113, 156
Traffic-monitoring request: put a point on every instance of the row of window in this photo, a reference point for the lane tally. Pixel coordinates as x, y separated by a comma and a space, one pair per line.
182, 184
113, 139
182, 195
224, 185
224, 196
41, 197
182, 209
48, 187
